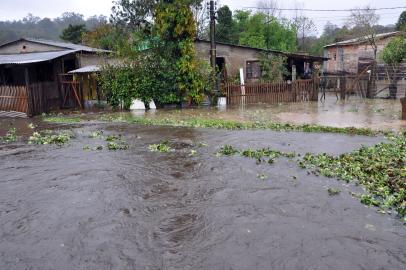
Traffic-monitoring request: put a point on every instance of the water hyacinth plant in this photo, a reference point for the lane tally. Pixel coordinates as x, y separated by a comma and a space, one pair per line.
47, 137
114, 146
163, 147
11, 136
381, 169
258, 155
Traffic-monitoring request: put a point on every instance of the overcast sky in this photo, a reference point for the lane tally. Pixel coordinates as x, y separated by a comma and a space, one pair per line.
17, 9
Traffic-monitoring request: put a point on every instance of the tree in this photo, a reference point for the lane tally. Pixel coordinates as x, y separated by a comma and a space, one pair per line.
364, 22
269, 7
401, 24
139, 14
273, 67
225, 30
106, 37
133, 14
305, 27
74, 33
70, 18
256, 31
159, 60
176, 28
200, 13
393, 54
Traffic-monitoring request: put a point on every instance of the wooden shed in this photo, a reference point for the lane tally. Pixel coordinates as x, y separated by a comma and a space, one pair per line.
32, 74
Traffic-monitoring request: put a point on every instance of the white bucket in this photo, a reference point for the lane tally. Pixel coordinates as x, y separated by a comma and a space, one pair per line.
222, 102
152, 105
137, 105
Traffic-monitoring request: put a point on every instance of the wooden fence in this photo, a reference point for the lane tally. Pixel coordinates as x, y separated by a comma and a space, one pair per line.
32, 102
38, 97
14, 98
297, 91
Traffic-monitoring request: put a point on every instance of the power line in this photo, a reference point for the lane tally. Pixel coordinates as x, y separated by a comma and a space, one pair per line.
325, 10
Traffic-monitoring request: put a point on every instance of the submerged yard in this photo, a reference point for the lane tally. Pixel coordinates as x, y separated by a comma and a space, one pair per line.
204, 189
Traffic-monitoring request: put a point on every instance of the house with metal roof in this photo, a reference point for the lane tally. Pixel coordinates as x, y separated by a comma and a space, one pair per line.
41, 69
231, 58
354, 55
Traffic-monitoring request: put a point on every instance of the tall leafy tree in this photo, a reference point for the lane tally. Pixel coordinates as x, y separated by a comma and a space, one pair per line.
393, 54
257, 31
401, 24
176, 28
225, 28
74, 33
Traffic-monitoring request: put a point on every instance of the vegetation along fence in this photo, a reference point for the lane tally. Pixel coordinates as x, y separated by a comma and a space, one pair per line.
297, 91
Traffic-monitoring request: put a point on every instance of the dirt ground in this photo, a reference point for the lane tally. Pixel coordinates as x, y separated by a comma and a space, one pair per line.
70, 208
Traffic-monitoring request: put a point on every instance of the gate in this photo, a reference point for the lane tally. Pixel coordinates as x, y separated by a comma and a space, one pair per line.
32, 101
14, 98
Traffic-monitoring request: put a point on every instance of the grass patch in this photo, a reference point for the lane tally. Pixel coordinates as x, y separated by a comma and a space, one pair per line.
64, 120
260, 155
381, 169
47, 137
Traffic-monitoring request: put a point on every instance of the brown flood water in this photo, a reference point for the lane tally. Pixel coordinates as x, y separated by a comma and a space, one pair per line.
376, 114
66, 208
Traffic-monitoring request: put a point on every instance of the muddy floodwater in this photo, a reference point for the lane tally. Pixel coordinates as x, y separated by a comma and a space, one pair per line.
70, 208
376, 114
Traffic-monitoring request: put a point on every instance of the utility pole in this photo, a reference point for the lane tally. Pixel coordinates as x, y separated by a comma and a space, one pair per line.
213, 35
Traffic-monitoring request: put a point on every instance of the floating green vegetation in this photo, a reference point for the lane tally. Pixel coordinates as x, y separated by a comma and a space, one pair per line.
221, 124
353, 109
262, 176
333, 191
62, 119
114, 146
96, 134
235, 125
163, 147
112, 138
381, 169
32, 126
11, 136
47, 137
259, 155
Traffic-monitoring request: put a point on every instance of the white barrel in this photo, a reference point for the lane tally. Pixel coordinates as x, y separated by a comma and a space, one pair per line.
222, 102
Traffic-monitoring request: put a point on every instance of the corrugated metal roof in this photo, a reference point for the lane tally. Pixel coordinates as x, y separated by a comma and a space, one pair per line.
28, 58
87, 69
65, 45
362, 39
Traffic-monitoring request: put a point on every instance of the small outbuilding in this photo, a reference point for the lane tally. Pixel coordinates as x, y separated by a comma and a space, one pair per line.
33, 74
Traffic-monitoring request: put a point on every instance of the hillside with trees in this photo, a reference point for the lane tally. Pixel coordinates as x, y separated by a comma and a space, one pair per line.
46, 28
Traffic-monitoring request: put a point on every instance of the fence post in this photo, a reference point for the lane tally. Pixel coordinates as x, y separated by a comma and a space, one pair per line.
343, 87
315, 89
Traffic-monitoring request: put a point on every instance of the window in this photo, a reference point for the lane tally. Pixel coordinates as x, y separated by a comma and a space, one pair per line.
253, 70
341, 54
335, 57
